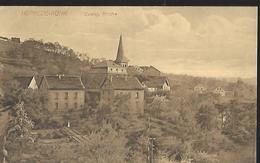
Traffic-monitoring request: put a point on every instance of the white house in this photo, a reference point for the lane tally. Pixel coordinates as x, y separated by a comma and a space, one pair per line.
219, 91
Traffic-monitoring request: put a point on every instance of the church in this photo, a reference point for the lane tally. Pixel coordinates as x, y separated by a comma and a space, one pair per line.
109, 78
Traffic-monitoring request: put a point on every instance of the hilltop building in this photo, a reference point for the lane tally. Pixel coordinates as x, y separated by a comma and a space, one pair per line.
119, 66
200, 89
156, 84
106, 87
219, 91
63, 92
143, 70
109, 78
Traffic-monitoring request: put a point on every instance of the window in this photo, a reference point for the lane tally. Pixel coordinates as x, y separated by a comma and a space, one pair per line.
56, 106
66, 95
76, 95
57, 95
75, 105
117, 69
137, 95
111, 69
122, 70
66, 105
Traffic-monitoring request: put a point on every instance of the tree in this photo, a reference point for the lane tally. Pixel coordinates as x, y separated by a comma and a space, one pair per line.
103, 108
105, 145
12, 93
157, 105
121, 103
207, 116
19, 129
240, 125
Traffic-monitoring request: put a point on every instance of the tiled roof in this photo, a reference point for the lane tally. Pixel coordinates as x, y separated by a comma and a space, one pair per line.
24, 81
64, 82
106, 63
38, 79
122, 83
133, 70
93, 81
104, 81
97, 71
155, 81
148, 67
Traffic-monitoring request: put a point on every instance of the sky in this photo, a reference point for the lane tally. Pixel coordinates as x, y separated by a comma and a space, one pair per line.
198, 41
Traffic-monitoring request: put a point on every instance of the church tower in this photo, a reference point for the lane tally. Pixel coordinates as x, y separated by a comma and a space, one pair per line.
120, 58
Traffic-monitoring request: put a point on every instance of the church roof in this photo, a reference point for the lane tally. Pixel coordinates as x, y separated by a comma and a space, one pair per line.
120, 52
93, 81
145, 68
106, 63
122, 83
155, 81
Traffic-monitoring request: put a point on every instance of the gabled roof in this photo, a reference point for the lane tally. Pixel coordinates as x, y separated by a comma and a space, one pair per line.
145, 68
117, 82
105, 64
24, 81
133, 70
54, 82
122, 83
120, 52
155, 81
38, 79
93, 81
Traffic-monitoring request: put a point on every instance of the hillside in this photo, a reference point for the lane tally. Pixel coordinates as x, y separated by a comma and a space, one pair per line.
36, 57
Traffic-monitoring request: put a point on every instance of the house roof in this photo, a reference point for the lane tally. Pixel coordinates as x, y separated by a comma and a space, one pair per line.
120, 52
97, 71
93, 81
132, 70
38, 79
155, 81
122, 83
106, 63
145, 68
118, 82
64, 82
24, 81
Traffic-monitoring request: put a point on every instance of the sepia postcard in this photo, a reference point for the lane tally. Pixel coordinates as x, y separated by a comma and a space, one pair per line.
128, 84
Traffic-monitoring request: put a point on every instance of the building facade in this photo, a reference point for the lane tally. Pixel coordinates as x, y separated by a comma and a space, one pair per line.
156, 83
219, 91
64, 92
110, 79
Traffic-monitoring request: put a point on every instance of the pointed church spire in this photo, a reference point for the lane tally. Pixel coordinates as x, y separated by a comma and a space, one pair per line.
120, 58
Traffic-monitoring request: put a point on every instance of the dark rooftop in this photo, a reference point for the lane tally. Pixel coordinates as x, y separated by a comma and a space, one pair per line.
56, 82
122, 83
24, 81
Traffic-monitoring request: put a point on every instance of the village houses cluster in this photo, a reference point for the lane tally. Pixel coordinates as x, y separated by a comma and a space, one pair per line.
200, 89
103, 81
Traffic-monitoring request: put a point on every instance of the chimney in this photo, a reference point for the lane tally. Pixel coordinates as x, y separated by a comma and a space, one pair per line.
59, 75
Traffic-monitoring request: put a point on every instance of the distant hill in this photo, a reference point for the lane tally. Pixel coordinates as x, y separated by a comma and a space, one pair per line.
251, 81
